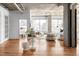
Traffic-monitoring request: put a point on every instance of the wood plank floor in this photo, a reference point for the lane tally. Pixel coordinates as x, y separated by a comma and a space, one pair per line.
9, 48
43, 48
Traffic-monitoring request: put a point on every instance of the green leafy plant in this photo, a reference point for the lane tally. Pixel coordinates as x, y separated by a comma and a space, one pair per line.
30, 32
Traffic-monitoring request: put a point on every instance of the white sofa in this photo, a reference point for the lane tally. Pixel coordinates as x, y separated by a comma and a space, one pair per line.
51, 36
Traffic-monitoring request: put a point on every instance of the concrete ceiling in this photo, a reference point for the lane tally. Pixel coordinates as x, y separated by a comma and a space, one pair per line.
11, 6
42, 6
36, 8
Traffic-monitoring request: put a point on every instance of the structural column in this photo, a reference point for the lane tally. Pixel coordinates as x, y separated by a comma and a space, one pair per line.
66, 24
49, 24
69, 25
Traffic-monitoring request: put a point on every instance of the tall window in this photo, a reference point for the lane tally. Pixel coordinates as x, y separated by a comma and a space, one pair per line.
57, 24
39, 24
22, 26
6, 27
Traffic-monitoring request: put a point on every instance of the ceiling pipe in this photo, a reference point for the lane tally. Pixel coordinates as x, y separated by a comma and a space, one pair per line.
18, 7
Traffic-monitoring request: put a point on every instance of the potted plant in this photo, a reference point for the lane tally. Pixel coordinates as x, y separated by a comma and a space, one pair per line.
30, 32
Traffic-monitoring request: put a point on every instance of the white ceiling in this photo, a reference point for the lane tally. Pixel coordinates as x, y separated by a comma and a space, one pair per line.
43, 8
38, 5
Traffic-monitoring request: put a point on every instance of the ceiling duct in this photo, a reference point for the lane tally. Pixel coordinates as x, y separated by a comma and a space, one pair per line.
21, 6
14, 6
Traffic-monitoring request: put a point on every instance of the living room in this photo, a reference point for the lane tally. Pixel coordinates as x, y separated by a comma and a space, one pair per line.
37, 29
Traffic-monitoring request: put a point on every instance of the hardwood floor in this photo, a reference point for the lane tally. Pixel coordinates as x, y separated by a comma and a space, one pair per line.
10, 48
43, 48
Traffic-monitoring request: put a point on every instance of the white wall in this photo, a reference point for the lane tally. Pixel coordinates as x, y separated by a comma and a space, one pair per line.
3, 12
15, 16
